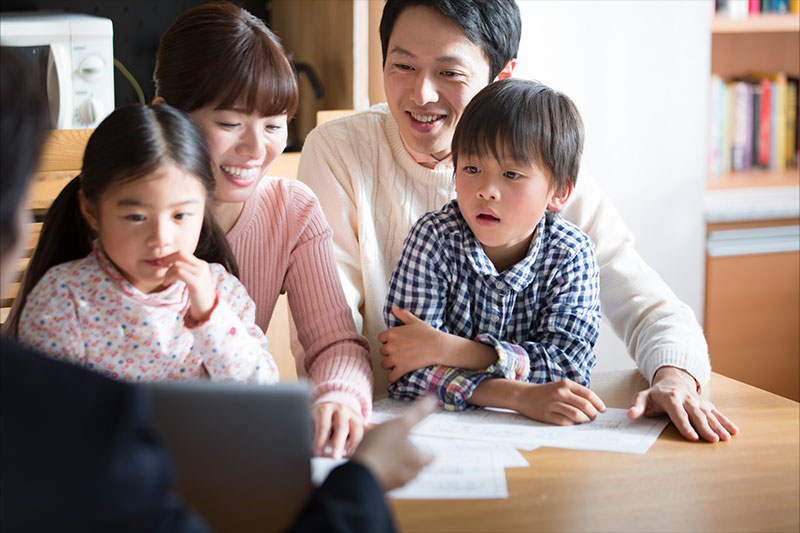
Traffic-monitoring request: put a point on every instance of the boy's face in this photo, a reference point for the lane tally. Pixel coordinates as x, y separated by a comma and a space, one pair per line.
432, 71
503, 202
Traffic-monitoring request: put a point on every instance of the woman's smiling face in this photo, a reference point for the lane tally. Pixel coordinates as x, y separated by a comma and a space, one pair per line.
243, 146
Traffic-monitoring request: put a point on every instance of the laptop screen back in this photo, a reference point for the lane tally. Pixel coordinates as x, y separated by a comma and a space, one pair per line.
242, 452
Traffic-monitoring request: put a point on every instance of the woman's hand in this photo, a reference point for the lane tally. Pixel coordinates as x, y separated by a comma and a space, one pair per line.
338, 430
197, 275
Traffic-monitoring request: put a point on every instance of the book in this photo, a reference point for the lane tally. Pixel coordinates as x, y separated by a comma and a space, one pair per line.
778, 162
791, 122
765, 122
740, 157
755, 129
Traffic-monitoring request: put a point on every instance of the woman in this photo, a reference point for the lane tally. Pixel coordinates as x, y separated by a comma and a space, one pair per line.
225, 68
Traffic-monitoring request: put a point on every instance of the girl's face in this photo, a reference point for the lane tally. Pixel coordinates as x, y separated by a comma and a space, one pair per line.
242, 146
142, 221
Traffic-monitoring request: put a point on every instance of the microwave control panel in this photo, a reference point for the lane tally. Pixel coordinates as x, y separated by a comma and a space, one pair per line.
72, 54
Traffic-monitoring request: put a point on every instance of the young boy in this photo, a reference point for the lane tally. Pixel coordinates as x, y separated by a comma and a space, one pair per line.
495, 299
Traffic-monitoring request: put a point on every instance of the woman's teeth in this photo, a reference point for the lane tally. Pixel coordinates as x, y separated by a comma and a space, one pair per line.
425, 118
239, 172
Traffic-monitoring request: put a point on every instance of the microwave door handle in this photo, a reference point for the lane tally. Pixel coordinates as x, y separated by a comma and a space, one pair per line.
59, 73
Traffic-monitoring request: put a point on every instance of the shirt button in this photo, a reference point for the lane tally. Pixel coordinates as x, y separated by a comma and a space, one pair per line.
495, 318
499, 284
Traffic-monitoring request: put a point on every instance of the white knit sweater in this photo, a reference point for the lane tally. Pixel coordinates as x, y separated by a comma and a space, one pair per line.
372, 191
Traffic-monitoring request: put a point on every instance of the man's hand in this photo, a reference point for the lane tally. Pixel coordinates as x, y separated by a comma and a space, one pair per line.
674, 392
336, 427
409, 347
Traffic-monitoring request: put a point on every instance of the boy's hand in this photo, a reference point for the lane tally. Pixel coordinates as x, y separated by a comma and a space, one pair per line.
197, 275
674, 392
561, 403
337, 426
387, 451
411, 346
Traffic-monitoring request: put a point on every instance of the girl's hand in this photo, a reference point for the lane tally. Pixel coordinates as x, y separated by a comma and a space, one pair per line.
336, 426
409, 347
197, 275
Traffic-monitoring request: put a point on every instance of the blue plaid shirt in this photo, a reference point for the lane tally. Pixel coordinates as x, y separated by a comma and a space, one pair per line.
541, 316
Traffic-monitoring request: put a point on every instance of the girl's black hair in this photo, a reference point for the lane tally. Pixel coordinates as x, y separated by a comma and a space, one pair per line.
131, 143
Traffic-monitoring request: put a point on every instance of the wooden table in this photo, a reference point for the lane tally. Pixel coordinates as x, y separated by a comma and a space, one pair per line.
751, 483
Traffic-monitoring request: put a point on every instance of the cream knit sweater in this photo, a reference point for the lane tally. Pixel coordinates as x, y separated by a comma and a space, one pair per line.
372, 191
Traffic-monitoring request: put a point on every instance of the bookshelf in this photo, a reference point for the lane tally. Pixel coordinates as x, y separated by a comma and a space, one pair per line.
752, 295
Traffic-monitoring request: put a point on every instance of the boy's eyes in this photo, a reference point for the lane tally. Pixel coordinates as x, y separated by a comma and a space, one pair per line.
510, 174
469, 169
135, 217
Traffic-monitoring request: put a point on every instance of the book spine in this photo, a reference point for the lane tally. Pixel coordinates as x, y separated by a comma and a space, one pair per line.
780, 123
739, 142
754, 7
780, 6
791, 123
715, 120
725, 127
765, 122
756, 122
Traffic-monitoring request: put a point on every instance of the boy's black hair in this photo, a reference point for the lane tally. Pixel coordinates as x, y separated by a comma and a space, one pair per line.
526, 121
494, 25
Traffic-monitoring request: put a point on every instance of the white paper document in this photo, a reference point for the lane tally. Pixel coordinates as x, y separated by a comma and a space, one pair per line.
456, 475
386, 409
474, 472
612, 431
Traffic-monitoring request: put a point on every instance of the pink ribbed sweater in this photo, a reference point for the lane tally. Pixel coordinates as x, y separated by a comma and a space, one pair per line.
283, 244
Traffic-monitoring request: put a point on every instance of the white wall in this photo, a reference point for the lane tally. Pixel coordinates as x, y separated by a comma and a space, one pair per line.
638, 72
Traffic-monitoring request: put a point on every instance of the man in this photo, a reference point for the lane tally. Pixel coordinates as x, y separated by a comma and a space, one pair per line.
376, 172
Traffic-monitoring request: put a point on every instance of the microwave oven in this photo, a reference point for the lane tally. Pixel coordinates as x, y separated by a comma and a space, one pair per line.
72, 56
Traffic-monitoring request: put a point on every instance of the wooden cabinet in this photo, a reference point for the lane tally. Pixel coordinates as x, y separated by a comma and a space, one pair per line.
752, 316
752, 307
340, 42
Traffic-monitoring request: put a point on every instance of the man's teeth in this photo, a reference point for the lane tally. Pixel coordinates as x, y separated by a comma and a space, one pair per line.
425, 118
239, 172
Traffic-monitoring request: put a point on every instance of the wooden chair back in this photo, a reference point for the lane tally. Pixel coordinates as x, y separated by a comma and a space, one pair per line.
61, 160
324, 115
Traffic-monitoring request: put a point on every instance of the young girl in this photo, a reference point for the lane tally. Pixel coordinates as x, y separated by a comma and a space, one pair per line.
130, 278
226, 69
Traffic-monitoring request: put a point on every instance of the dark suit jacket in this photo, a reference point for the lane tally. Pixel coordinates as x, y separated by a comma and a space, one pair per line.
77, 453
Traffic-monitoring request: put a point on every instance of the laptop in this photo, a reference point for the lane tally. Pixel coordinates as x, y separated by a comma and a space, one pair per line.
242, 452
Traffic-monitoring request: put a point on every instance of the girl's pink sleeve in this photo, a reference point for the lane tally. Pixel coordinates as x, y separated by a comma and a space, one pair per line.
336, 358
49, 321
232, 347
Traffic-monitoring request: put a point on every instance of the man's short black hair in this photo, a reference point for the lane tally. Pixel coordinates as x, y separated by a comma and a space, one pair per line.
494, 25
